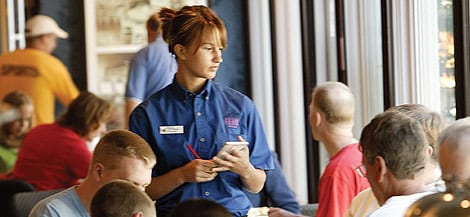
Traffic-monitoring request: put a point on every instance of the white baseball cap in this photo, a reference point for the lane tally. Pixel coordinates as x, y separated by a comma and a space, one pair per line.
40, 25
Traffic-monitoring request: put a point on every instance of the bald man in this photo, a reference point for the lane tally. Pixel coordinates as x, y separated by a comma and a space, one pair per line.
454, 151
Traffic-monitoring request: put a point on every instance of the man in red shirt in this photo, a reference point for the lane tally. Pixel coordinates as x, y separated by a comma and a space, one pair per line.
331, 118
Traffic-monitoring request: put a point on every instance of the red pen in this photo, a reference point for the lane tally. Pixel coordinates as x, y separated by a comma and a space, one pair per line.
193, 151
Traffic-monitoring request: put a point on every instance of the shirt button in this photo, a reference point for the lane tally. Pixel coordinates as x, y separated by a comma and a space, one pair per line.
207, 98
202, 139
198, 113
206, 193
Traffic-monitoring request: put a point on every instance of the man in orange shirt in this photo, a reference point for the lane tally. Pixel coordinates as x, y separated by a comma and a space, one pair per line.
36, 72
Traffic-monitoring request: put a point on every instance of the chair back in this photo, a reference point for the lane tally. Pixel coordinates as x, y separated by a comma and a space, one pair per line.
7, 189
309, 209
23, 202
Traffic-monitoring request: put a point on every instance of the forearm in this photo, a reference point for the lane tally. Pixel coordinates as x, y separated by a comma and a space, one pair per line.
194, 171
253, 180
164, 184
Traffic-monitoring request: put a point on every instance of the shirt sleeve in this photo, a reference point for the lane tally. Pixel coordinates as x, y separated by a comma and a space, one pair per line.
139, 123
278, 190
62, 84
260, 155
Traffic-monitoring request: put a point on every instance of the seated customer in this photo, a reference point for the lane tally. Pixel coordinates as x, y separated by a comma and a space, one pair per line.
55, 156
395, 152
199, 208
276, 191
13, 132
120, 154
433, 123
120, 198
454, 151
455, 164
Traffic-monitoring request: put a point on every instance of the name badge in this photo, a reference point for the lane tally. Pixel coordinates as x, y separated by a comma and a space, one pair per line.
171, 129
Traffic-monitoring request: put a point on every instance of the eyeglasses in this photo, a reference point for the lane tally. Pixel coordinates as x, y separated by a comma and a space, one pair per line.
361, 171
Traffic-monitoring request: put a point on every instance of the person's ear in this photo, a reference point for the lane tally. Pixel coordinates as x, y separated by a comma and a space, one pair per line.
180, 51
381, 168
430, 150
97, 172
318, 118
138, 214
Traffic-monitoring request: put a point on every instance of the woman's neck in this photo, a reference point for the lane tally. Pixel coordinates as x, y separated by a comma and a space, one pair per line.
193, 84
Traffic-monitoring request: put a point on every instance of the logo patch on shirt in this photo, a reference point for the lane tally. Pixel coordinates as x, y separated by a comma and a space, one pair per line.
231, 122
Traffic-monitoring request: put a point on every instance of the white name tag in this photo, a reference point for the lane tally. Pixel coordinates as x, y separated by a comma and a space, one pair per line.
171, 129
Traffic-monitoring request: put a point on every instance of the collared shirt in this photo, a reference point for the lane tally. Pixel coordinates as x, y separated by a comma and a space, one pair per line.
174, 117
151, 69
397, 205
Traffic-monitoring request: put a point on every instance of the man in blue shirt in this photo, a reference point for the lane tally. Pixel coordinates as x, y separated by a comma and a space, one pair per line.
196, 113
151, 69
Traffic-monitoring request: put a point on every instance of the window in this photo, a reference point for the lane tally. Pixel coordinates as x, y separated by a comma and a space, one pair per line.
446, 59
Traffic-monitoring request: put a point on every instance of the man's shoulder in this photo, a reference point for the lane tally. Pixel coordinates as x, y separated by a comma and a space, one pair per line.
347, 155
64, 203
230, 95
397, 205
363, 203
37, 53
343, 164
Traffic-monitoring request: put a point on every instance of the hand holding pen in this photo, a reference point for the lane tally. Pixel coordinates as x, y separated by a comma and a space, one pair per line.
198, 170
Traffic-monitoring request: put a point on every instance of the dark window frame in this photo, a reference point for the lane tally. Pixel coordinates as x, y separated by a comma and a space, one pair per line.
461, 10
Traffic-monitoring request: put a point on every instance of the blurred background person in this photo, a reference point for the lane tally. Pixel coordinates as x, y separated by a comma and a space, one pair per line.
7, 113
151, 69
153, 26
12, 133
56, 156
36, 72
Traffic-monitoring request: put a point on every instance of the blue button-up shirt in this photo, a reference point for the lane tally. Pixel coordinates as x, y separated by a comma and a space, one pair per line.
150, 70
174, 117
